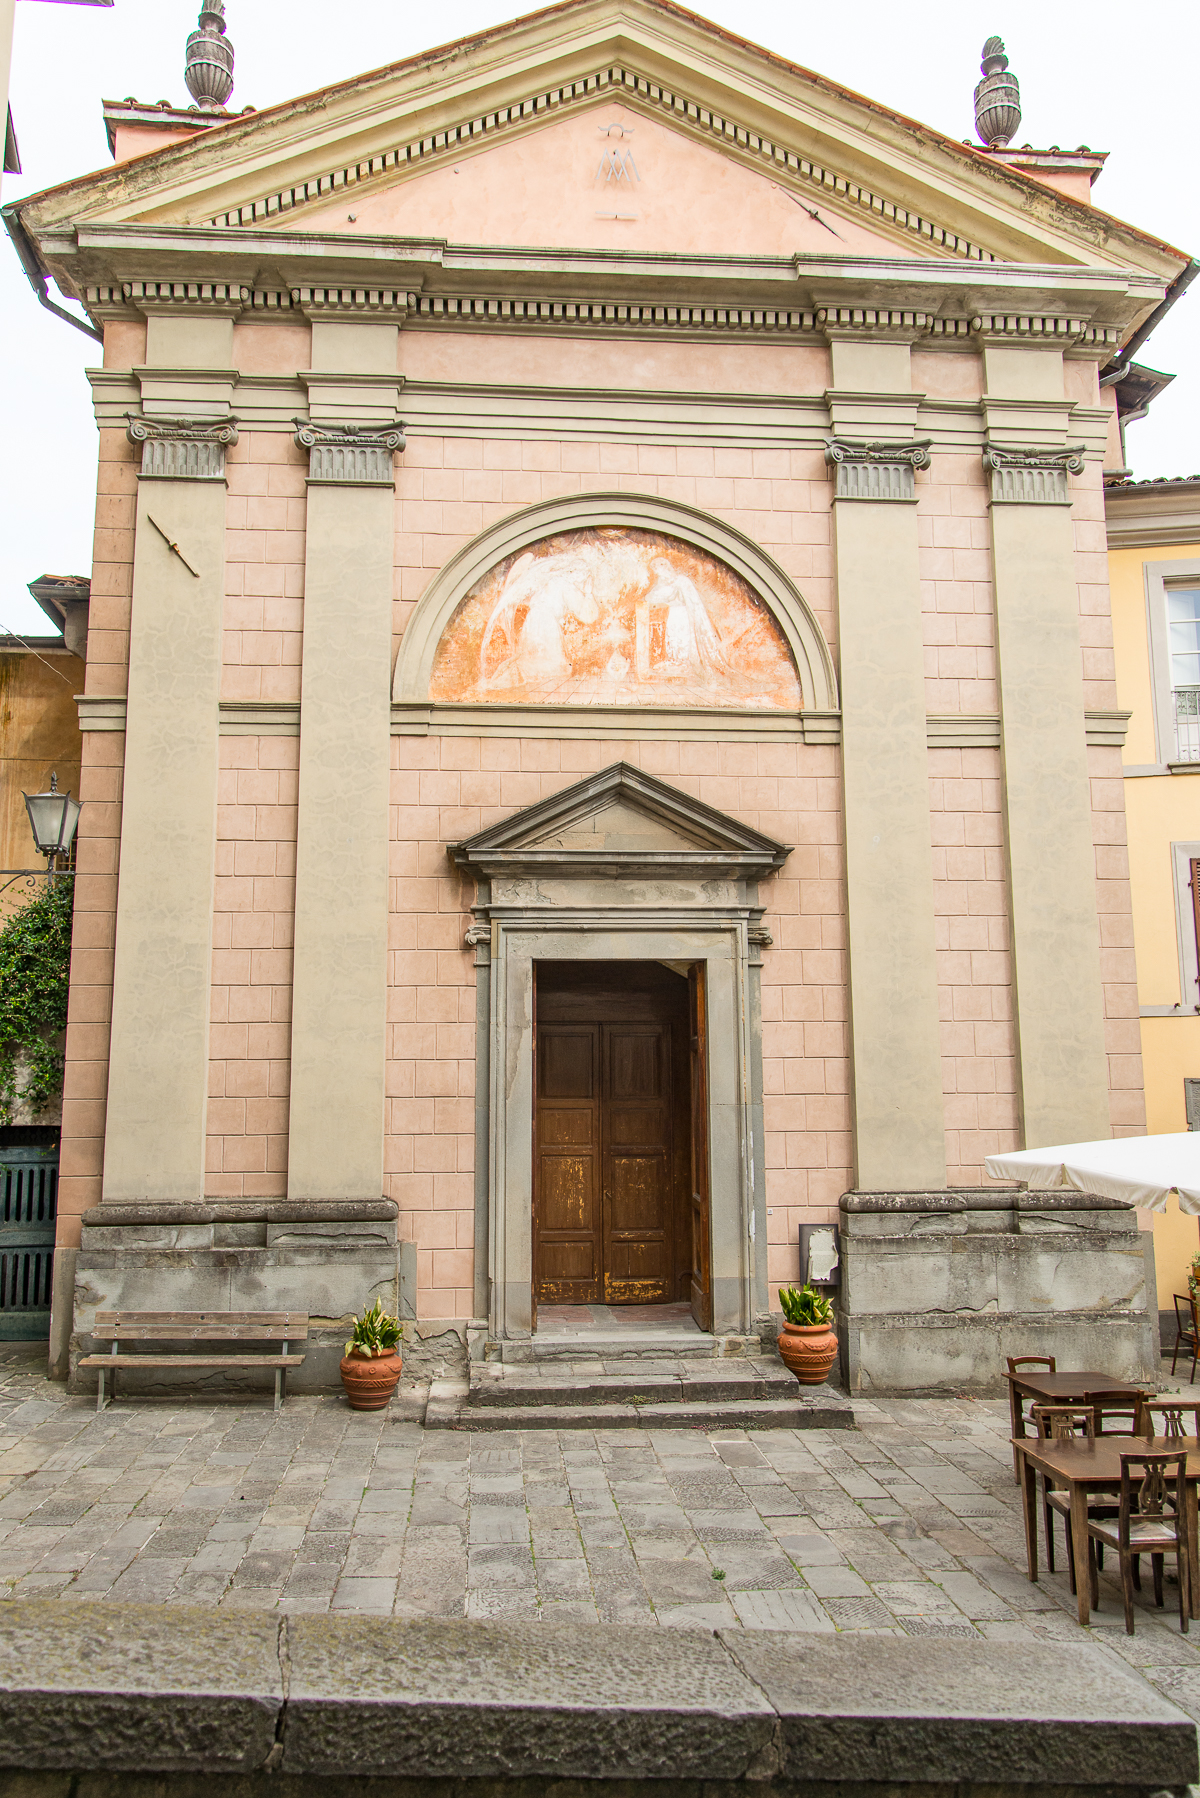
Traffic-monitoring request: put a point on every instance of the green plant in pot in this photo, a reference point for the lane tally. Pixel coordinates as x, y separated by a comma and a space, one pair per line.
807, 1343
371, 1365
1194, 1275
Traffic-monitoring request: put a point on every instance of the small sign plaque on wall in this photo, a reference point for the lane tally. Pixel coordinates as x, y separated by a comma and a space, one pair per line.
819, 1256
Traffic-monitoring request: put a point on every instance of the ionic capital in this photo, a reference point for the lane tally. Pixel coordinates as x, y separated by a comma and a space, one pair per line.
182, 449
877, 471
350, 455
1032, 477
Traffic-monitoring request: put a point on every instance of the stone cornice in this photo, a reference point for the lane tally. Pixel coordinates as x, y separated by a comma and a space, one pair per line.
1153, 514
221, 299
375, 274
895, 324
647, 415
281, 718
350, 455
182, 449
1074, 336
389, 303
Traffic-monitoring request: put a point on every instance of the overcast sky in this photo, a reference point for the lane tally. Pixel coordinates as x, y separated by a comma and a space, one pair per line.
1120, 79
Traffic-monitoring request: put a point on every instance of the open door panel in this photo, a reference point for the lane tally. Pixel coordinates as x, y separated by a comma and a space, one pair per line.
701, 1280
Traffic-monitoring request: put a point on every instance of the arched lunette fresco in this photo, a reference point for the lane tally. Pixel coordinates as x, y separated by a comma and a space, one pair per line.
612, 616
597, 598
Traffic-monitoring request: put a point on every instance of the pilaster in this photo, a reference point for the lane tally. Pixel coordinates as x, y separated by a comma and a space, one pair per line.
158, 1059
1062, 1066
899, 1131
339, 1015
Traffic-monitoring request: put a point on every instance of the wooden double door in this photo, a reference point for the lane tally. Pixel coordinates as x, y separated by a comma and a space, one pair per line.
621, 1153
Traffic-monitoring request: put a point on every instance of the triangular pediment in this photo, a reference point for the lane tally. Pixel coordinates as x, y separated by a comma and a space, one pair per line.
779, 156
620, 821
605, 176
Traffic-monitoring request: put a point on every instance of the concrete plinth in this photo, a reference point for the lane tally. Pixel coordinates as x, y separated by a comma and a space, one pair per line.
330, 1258
938, 1288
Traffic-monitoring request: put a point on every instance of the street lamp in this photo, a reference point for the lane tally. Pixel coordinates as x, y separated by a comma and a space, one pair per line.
53, 817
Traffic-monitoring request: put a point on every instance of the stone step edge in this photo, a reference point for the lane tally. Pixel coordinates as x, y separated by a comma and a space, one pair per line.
618, 1391
246, 1699
765, 1414
659, 1344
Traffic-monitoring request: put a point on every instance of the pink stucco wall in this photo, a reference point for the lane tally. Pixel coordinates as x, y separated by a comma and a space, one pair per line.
448, 489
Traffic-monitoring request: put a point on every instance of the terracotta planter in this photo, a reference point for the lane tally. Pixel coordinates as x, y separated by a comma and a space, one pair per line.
370, 1380
808, 1351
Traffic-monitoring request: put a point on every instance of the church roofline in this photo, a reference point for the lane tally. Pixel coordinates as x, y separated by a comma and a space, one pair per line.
606, 16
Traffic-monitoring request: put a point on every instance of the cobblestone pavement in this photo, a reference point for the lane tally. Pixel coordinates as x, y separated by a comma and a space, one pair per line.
909, 1525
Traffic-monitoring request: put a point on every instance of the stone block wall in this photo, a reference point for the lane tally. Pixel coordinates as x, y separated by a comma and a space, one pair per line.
937, 1289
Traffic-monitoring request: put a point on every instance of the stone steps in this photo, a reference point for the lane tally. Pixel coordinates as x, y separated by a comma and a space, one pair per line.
661, 1393
630, 1388
596, 1345
742, 1414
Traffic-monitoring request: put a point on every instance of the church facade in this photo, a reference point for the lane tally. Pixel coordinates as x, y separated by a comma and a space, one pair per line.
599, 724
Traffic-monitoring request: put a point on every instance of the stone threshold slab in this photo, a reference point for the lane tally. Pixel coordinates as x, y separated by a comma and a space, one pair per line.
743, 1414
560, 1389
89, 1690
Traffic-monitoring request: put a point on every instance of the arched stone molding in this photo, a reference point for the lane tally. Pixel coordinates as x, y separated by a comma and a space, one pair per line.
644, 512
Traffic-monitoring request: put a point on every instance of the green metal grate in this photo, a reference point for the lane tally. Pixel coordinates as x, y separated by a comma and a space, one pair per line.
28, 1207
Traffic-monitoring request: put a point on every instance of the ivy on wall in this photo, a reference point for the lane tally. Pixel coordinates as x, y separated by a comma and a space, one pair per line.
35, 967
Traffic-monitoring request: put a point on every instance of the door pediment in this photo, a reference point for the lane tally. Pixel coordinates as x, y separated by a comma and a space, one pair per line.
620, 821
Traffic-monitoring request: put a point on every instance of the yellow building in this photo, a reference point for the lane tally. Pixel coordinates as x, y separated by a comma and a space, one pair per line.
1154, 575
39, 719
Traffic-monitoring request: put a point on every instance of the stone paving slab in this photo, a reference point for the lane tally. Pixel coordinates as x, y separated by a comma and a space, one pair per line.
908, 1526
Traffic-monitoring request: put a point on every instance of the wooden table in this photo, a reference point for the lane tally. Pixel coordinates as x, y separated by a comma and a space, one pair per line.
1060, 1389
1083, 1467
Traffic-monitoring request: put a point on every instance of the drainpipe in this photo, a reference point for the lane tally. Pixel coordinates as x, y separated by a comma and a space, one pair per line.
1179, 286
36, 274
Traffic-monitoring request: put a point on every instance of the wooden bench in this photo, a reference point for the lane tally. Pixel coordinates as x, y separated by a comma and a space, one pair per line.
210, 1327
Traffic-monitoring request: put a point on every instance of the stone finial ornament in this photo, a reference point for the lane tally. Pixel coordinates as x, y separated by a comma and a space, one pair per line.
208, 69
997, 98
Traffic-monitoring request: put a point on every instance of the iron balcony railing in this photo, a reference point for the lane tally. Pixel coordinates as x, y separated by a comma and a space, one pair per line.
1187, 724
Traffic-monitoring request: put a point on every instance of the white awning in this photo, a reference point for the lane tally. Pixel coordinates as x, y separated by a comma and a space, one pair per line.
1141, 1170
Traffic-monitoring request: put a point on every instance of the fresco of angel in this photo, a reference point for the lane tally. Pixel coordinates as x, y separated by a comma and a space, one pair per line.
553, 590
691, 645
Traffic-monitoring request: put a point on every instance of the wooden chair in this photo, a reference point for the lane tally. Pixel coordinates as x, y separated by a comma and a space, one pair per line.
1187, 1331
1116, 1412
1165, 1417
1060, 1423
1142, 1526
1041, 1364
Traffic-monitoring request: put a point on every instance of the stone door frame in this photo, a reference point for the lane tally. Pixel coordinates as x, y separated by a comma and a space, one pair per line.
737, 1203
680, 888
